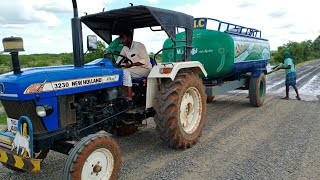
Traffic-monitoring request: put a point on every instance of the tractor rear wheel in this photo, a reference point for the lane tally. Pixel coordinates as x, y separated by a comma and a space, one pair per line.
181, 110
96, 156
257, 90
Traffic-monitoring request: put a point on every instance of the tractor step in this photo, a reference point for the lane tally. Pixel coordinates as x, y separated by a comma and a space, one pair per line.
139, 110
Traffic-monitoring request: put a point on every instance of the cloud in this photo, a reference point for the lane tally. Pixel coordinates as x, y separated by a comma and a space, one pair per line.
286, 26
65, 6
54, 6
277, 14
22, 12
45, 24
12, 26
246, 4
153, 1
44, 11
276, 19
297, 33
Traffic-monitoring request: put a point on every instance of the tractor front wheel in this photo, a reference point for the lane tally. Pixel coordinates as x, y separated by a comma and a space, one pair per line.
96, 156
181, 110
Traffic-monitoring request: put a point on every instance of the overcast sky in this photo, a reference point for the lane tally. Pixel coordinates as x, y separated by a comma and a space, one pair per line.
45, 25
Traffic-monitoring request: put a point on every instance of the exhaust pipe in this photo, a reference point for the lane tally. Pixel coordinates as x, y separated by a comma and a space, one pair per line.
77, 40
13, 45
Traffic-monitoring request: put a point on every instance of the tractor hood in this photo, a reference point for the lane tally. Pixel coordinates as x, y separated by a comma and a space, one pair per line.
59, 80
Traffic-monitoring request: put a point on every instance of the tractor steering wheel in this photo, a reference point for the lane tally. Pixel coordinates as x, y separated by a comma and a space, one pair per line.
113, 59
123, 60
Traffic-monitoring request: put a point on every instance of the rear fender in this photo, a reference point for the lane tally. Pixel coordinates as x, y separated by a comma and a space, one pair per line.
257, 72
155, 76
194, 66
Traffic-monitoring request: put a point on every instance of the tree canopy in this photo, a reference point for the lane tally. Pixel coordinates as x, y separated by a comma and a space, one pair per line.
301, 51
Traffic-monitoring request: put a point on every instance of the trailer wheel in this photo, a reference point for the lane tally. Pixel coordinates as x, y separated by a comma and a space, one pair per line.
210, 99
181, 110
96, 156
257, 90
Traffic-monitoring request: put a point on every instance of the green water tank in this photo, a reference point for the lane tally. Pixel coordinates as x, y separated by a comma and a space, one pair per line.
214, 49
219, 52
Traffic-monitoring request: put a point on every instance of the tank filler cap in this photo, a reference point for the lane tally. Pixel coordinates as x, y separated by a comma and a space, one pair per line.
12, 44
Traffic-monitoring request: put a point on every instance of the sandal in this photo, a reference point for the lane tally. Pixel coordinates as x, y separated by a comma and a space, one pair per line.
285, 98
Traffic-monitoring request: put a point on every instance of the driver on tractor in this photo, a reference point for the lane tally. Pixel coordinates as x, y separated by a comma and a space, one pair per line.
140, 65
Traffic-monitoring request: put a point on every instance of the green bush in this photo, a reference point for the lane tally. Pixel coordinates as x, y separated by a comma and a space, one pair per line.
3, 118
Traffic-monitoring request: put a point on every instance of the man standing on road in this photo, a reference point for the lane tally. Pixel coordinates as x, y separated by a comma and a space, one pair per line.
291, 74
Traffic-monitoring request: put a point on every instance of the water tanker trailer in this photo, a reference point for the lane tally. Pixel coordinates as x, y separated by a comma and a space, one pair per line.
234, 57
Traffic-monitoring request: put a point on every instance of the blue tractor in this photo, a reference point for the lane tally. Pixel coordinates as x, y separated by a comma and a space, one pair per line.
75, 109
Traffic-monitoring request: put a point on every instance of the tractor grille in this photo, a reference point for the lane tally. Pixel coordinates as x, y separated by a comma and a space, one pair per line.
16, 109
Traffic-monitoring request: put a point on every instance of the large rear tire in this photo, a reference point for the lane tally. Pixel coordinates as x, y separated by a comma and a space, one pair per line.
257, 90
96, 156
181, 110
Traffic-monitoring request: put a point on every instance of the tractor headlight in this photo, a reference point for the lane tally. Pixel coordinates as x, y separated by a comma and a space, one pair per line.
44, 110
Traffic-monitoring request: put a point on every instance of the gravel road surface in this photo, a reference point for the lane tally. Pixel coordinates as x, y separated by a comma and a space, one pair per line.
280, 140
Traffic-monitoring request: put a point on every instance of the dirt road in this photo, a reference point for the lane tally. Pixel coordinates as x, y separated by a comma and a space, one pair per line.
280, 140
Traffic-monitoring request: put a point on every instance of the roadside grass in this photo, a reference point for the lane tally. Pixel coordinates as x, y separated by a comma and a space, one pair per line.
316, 61
3, 116
3, 119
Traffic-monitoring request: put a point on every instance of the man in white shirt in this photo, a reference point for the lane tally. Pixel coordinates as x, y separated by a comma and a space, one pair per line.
137, 53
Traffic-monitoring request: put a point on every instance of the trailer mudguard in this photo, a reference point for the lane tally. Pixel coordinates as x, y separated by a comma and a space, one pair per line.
169, 70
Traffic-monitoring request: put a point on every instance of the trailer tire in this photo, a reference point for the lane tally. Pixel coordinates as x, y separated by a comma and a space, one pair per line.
181, 110
257, 90
95, 156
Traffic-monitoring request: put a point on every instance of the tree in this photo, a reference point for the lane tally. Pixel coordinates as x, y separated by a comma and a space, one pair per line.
101, 50
300, 52
316, 47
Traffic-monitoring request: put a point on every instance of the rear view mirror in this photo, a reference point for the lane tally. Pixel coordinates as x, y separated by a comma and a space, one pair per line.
92, 43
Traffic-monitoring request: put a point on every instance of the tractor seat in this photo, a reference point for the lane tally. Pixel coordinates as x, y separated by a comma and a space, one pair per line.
137, 80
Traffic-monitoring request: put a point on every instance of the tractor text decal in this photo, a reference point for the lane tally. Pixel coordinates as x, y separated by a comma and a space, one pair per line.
72, 83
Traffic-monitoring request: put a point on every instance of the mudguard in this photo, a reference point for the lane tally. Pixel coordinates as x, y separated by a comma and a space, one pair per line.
156, 74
